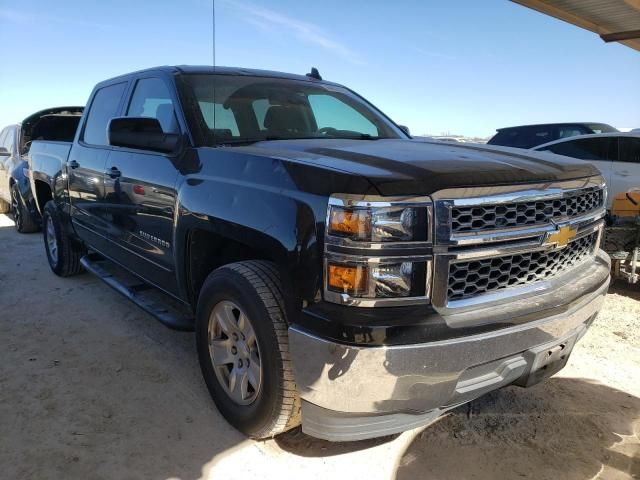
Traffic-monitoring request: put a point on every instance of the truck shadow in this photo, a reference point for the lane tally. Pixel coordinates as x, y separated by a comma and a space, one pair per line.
298, 443
565, 428
621, 287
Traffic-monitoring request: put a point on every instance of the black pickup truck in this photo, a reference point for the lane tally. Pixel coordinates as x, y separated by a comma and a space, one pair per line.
337, 273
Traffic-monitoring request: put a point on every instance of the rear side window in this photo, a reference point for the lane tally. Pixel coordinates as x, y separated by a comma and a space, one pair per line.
586, 148
526, 137
151, 98
103, 108
630, 150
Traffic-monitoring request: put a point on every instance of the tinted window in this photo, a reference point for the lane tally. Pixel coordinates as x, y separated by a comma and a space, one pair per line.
570, 131
601, 128
585, 148
525, 137
151, 98
103, 108
630, 150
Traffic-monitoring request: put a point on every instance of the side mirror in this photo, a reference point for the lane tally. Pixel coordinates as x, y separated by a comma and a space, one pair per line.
4, 152
405, 129
144, 133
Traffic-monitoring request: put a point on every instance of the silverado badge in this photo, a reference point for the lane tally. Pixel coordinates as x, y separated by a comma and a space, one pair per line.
561, 237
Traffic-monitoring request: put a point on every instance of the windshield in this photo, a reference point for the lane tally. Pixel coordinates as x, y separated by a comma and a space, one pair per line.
601, 128
228, 109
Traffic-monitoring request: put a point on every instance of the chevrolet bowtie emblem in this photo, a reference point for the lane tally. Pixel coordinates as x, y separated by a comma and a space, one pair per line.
561, 237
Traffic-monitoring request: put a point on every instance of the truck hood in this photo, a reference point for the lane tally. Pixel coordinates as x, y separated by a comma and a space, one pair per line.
415, 167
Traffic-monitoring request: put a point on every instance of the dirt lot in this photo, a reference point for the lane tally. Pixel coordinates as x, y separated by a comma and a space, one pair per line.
91, 387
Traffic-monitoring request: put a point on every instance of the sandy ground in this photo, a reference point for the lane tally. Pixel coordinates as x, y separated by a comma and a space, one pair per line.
91, 387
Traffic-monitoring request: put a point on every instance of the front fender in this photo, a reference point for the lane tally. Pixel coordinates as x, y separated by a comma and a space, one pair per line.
272, 206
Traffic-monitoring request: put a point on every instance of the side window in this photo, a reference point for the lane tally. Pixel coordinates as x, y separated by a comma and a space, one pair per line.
630, 150
151, 98
331, 112
103, 108
584, 149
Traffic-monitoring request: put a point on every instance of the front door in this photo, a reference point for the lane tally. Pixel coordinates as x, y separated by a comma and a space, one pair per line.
140, 195
86, 166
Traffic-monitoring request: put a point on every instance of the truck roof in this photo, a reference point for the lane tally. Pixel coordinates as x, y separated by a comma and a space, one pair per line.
204, 69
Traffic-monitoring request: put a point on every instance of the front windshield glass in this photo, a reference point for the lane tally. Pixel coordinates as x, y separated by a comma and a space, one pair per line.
228, 109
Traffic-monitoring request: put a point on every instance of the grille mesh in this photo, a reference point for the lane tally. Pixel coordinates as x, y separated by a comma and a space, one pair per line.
517, 214
467, 279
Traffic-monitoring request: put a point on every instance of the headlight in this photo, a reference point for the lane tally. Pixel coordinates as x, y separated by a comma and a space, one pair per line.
378, 250
376, 278
378, 224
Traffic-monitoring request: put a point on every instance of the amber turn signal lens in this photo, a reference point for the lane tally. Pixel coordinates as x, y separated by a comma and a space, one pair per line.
352, 223
348, 279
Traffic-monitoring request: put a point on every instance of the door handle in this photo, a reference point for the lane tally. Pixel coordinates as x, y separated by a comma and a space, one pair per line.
73, 164
113, 172
623, 173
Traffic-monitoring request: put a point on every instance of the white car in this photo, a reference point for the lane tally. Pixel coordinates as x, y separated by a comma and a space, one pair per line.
617, 155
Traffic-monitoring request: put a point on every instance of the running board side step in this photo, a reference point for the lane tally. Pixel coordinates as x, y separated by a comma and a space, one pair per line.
138, 293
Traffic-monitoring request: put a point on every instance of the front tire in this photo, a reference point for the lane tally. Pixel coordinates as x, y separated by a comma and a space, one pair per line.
243, 348
62, 253
22, 219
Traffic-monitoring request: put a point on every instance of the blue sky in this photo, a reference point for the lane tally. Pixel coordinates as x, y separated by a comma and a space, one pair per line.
465, 67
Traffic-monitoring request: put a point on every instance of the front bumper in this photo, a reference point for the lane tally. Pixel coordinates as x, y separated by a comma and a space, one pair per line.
356, 392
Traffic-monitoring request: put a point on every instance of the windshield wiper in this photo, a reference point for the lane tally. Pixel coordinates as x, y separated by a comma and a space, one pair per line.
272, 138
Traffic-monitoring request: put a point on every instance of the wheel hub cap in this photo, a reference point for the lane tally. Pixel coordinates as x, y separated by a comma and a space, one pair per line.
52, 243
234, 352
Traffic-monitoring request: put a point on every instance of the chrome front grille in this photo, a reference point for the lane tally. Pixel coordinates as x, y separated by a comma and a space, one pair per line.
494, 244
526, 213
471, 278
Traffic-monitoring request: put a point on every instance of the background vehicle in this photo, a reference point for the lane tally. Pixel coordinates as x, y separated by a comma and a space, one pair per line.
617, 156
528, 136
337, 274
56, 124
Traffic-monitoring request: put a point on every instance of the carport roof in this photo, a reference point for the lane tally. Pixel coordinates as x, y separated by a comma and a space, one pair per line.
613, 20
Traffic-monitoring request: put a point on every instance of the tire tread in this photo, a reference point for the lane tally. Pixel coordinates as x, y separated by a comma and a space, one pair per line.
265, 279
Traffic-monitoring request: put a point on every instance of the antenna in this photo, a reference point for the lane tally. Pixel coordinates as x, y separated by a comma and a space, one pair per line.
213, 61
314, 74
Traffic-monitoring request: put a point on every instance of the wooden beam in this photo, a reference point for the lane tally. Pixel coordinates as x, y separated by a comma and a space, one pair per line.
620, 36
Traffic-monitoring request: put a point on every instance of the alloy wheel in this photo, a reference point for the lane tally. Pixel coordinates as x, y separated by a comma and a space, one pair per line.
234, 352
15, 209
52, 243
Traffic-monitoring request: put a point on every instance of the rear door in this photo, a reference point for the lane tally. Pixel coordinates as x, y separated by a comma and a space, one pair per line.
140, 193
87, 162
626, 171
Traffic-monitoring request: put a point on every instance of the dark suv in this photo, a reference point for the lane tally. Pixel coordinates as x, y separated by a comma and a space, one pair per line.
529, 136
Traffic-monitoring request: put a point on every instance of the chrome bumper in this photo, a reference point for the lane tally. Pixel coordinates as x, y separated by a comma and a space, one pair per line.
352, 392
